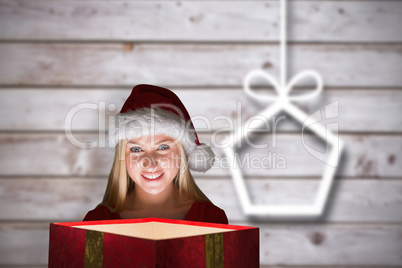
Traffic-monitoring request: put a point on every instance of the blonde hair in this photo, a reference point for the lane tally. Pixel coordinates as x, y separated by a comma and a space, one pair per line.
120, 184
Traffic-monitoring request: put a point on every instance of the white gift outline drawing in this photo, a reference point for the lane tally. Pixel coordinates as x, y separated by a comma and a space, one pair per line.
282, 102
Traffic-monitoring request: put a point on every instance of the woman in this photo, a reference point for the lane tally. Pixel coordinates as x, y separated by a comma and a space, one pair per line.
156, 145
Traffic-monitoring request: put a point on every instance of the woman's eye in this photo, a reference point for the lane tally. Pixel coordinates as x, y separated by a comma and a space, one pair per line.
163, 147
135, 149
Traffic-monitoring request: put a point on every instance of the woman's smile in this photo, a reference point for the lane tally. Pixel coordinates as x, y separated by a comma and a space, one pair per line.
152, 176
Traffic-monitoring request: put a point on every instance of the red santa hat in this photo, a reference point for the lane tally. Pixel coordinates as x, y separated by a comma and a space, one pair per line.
152, 110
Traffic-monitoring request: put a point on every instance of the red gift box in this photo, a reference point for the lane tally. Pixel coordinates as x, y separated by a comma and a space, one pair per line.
152, 242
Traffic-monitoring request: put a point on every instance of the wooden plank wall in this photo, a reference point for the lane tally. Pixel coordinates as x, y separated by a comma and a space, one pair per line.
57, 54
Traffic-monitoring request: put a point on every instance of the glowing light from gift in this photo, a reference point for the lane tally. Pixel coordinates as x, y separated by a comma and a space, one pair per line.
283, 102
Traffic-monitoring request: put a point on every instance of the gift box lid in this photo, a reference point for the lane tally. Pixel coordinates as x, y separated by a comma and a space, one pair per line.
154, 228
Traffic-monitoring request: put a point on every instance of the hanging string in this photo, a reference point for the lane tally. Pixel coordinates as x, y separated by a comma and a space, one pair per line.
283, 59
283, 88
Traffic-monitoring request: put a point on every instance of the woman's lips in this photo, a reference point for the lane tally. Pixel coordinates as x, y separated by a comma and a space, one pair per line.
152, 176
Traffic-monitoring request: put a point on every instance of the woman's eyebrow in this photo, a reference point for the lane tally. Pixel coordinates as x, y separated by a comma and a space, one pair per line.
133, 143
159, 142
165, 140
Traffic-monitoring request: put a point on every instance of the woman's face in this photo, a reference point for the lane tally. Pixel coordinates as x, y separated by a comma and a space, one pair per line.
153, 162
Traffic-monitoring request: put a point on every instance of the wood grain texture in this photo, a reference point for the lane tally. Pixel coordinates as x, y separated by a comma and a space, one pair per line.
27, 243
309, 244
331, 245
211, 108
50, 199
68, 199
111, 64
244, 21
51, 154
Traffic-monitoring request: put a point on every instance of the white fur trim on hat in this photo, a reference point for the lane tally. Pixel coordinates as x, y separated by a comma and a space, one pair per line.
156, 121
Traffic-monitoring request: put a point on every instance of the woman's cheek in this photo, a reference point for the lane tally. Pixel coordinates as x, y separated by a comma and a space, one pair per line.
133, 161
164, 162
174, 160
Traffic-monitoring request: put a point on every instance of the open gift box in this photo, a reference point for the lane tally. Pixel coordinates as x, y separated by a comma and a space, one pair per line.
152, 242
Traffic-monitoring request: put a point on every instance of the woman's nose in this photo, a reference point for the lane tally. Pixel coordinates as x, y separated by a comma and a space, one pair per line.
150, 163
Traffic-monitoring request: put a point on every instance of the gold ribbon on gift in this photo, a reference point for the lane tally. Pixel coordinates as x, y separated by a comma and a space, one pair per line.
214, 250
93, 249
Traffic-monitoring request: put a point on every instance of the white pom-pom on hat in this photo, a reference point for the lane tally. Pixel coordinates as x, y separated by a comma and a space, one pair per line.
202, 158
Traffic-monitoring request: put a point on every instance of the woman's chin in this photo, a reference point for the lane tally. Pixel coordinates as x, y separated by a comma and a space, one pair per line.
154, 191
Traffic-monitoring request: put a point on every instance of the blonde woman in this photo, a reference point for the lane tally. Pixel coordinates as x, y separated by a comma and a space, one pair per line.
156, 145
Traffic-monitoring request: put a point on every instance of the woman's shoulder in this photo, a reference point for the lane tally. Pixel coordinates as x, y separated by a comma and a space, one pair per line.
101, 212
206, 211
207, 204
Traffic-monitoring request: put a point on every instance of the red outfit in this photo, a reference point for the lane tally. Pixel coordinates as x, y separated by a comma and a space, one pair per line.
203, 211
